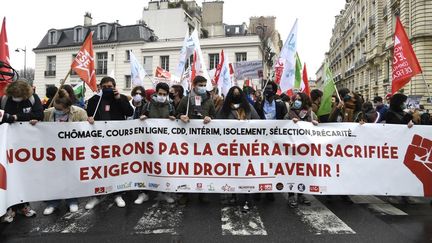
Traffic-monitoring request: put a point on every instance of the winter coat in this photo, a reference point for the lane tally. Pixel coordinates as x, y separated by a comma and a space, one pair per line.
114, 109
207, 107
233, 115
76, 114
25, 110
154, 109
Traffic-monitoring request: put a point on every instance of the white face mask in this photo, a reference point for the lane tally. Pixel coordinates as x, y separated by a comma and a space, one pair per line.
160, 98
236, 106
137, 98
17, 99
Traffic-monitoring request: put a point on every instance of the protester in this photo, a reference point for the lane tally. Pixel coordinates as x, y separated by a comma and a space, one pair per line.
237, 107
63, 110
176, 94
368, 114
50, 91
270, 109
380, 107
160, 106
286, 99
20, 103
218, 100
316, 96
198, 104
110, 106
301, 110
138, 100
396, 113
148, 94
72, 96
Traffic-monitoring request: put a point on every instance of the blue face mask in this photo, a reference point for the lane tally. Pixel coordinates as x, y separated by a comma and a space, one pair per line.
297, 104
59, 112
201, 90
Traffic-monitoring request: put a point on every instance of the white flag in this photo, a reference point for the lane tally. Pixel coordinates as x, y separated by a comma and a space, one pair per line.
200, 66
224, 82
137, 71
187, 50
287, 55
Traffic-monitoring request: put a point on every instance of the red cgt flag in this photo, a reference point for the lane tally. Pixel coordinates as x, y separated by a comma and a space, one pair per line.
405, 63
4, 57
162, 73
83, 64
219, 68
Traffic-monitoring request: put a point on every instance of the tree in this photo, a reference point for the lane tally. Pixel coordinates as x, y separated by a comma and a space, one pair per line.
29, 75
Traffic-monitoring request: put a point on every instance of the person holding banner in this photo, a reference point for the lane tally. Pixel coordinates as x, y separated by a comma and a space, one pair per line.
63, 110
20, 103
108, 106
396, 113
160, 106
368, 114
198, 104
301, 110
176, 94
237, 107
270, 109
138, 100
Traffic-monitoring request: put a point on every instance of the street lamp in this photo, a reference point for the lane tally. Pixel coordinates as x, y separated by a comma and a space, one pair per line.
25, 58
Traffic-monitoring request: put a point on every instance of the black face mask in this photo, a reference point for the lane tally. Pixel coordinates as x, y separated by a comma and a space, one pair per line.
347, 97
108, 93
236, 99
171, 96
268, 93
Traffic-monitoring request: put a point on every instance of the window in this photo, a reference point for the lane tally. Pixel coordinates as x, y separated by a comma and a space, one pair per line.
102, 63
164, 62
52, 37
241, 56
237, 30
148, 65
128, 82
214, 60
78, 35
103, 32
127, 56
73, 58
51, 66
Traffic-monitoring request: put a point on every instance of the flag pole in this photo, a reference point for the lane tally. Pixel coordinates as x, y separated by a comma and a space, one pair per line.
427, 86
190, 87
97, 106
61, 86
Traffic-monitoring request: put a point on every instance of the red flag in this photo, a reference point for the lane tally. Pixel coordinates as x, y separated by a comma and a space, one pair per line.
162, 73
405, 63
306, 89
219, 68
4, 57
83, 64
193, 66
278, 69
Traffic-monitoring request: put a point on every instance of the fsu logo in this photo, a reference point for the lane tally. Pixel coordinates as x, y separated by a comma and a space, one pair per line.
3, 184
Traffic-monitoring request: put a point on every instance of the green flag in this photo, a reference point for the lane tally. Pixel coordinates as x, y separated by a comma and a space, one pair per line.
79, 90
298, 70
329, 88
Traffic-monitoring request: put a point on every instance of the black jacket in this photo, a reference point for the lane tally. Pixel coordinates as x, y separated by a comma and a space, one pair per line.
109, 109
281, 109
24, 110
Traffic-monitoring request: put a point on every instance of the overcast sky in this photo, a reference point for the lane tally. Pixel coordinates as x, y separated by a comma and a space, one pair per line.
28, 21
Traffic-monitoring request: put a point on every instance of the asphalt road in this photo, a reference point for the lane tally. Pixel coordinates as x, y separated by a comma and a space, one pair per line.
367, 219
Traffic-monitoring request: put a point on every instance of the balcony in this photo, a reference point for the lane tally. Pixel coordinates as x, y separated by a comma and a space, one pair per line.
385, 81
50, 73
372, 22
385, 10
349, 73
360, 63
349, 49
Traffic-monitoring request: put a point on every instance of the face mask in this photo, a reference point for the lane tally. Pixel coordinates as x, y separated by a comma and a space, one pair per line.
297, 104
236, 99
236, 106
403, 106
268, 93
201, 90
17, 99
160, 98
171, 96
347, 97
108, 93
137, 98
59, 112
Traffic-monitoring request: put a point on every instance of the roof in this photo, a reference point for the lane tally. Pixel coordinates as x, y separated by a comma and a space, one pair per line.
116, 33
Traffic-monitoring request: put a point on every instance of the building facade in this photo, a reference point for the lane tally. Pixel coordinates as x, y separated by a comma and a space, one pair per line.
361, 46
112, 43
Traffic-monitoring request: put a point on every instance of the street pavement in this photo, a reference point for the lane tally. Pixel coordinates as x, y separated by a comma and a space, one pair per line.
328, 219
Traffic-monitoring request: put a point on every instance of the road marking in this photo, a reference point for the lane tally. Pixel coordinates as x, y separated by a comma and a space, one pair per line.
160, 218
237, 222
377, 205
321, 219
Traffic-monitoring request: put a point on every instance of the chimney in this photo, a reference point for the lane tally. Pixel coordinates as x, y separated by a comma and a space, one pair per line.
87, 19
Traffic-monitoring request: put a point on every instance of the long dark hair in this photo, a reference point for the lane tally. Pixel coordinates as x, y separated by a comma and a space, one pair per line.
306, 101
226, 108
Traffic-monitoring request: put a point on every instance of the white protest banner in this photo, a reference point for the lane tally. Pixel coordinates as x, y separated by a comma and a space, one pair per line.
64, 160
247, 69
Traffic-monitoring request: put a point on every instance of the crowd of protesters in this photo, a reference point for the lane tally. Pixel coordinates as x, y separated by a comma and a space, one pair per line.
20, 103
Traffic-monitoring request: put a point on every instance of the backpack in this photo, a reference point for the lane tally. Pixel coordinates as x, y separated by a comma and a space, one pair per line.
5, 98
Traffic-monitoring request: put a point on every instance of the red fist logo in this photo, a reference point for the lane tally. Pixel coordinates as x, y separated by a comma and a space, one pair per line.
2, 177
418, 159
